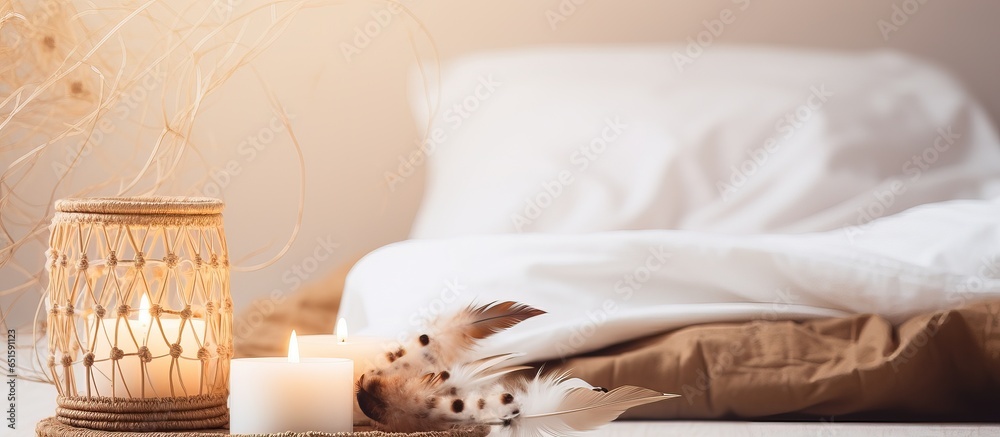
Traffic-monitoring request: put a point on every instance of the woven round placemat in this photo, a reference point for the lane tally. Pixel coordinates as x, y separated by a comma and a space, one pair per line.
53, 428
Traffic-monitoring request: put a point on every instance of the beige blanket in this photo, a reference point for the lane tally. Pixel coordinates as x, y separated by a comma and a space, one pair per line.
940, 366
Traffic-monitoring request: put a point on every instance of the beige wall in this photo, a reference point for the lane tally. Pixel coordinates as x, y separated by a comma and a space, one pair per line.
354, 121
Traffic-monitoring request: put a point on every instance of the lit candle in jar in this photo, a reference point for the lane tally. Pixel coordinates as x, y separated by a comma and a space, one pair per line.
273, 395
143, 368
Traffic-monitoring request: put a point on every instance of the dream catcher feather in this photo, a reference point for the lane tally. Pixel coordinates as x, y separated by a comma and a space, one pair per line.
430, 384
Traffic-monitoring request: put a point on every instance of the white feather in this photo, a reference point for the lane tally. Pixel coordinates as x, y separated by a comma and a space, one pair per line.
556, 406
474, 375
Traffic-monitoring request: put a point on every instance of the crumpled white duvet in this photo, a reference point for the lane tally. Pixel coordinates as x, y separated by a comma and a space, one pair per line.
605, 288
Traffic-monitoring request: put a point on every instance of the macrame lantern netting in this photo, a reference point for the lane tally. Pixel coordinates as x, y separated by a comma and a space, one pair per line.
139, 313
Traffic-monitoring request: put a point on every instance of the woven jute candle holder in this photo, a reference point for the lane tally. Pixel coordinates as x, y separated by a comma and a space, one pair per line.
139, 313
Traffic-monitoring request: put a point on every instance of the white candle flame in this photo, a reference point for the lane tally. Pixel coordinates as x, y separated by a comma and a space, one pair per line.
293, 349
341, 331
144, 318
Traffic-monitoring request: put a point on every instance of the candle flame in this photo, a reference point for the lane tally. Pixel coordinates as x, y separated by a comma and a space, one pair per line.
341, 331
144, 318
293, 348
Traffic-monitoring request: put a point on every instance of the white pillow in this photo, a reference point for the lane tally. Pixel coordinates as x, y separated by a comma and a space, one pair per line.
743, 140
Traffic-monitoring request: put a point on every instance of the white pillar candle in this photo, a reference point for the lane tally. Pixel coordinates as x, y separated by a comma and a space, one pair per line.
364, 351
273, 395
126, 377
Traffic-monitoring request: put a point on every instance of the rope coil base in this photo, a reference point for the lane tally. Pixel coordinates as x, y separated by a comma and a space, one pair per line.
157, 414
52, 427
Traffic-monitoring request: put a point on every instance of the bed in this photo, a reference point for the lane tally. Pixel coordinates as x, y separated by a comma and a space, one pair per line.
772, 234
